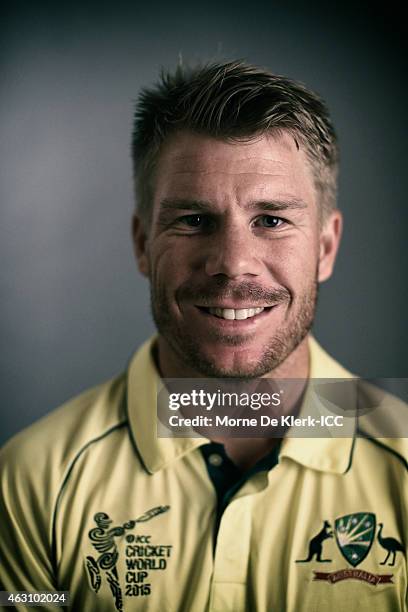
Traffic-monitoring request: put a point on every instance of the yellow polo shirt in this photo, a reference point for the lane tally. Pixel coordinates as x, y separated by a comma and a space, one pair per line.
94, 503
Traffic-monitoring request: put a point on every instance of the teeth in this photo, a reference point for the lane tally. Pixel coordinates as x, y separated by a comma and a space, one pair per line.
238, 314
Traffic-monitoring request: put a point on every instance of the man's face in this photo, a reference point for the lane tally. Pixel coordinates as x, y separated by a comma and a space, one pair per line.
234, 252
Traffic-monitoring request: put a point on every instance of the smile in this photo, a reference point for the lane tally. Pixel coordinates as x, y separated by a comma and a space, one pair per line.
231, 313
234, 314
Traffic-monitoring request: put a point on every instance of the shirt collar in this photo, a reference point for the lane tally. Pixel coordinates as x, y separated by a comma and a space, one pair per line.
143, 384
327, 454
323, 454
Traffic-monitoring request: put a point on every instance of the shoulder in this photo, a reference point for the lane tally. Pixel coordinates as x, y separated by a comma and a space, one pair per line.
392, 452
383, 421
382, 418
43, 452
33, 467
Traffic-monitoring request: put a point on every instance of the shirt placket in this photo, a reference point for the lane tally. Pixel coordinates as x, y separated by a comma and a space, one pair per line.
233, 524
231, 556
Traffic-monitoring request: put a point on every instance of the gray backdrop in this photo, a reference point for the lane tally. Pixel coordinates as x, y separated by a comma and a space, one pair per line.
73, 307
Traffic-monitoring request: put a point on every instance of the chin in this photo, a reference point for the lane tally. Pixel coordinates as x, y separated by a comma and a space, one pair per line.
239, 364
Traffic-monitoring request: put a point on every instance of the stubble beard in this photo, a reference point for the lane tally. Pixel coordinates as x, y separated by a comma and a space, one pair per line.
298, 322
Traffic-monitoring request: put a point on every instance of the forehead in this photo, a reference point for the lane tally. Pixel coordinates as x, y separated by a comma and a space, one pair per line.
197, 166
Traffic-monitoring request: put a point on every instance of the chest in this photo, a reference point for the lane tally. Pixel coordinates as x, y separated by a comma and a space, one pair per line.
288, 540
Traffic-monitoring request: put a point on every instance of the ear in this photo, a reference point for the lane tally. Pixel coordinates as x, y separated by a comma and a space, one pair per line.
329, 241
140, 245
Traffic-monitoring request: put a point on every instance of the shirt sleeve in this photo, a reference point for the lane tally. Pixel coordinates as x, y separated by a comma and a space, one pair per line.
25, 529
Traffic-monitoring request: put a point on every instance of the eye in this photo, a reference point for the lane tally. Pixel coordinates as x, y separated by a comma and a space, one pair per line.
198, 222
192, 220
269, 221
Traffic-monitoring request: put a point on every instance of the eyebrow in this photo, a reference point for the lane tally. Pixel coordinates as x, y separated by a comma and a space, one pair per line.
204, 206
185, 204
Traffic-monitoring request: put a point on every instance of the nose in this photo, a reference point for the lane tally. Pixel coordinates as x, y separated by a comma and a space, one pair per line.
233, 253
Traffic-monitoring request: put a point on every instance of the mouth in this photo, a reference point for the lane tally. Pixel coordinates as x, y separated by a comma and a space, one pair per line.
235, 314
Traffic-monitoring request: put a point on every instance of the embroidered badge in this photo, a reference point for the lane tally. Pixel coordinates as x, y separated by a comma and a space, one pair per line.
353, 574
316, 545
355, 535
391, 545
103, 538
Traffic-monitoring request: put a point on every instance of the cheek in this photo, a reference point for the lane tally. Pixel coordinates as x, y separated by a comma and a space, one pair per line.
294, 263
169, 264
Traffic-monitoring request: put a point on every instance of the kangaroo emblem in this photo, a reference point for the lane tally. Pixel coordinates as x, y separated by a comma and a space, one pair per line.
316, 545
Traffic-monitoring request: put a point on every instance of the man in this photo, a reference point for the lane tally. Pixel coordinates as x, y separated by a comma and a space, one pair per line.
236, 225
